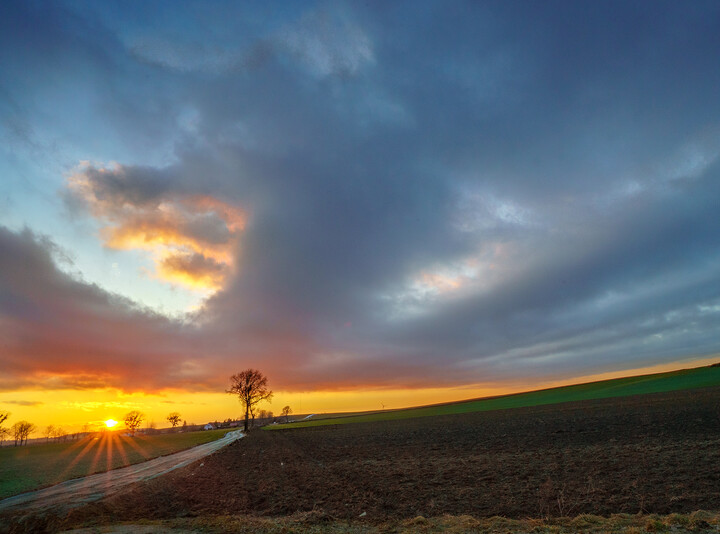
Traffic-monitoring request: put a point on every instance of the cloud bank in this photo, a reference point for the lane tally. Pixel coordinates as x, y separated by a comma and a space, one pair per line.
384, 196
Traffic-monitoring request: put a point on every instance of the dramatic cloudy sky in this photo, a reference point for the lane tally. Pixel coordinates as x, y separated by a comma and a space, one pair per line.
355, 195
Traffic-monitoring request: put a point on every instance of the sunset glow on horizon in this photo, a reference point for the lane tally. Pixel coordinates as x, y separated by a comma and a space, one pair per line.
377, 207
73, 414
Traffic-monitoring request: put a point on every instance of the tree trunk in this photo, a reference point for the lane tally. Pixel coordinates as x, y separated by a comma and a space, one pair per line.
247, 416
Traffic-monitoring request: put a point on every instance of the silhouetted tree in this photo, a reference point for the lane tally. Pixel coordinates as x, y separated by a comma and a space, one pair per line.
251, 388
174, 419
21, 430
4, 432
49, 432
133, 420
286, 411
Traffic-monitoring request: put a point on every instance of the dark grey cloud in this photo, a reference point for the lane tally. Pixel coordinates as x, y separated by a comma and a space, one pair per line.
59, 332
435, 193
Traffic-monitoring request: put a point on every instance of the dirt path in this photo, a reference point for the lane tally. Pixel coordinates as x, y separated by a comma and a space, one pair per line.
79, 491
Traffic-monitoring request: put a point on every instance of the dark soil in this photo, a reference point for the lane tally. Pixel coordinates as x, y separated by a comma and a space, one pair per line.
653, 453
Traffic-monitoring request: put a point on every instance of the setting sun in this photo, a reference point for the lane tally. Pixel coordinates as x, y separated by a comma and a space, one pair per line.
110, 423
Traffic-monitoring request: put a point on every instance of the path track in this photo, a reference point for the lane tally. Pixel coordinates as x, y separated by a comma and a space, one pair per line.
79, 491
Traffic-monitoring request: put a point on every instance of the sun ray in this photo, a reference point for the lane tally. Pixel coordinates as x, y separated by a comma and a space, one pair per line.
109, 445
121, 450
79, 443
98, 454
133, 442
91, 441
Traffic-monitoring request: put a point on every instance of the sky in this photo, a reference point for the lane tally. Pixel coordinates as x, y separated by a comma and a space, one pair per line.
371, 202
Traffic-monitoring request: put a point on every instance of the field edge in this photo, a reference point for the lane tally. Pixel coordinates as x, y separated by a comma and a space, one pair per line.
679, 380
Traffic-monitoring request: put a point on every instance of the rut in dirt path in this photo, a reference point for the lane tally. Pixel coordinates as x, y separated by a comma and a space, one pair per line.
76, 492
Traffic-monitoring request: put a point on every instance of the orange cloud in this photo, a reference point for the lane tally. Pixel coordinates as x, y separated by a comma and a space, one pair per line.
193, 270
193, 238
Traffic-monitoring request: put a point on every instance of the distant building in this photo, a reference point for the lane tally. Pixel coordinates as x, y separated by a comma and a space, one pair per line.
209, 427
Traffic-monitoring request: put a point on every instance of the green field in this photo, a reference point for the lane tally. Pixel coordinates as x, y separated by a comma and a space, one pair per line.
34, 466
618, 387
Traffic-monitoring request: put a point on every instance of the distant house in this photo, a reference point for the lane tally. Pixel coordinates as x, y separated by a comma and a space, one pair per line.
234, 423
209, 427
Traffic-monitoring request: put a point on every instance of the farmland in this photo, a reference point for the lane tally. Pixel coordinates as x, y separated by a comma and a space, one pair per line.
31, 467
618, 387
650, 454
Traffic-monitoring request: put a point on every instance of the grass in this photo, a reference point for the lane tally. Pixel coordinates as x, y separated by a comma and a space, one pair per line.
319, 523
618, 387
34, 466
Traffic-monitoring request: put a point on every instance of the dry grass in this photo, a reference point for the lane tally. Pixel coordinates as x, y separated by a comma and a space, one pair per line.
320, 523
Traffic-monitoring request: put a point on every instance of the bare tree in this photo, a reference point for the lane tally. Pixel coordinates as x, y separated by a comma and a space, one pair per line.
286, 411
21, 430
174, 419
4, 432
49, 432
133, 420
250, 386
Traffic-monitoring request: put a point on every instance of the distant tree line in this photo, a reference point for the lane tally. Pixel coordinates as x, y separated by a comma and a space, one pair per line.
57, 433
20, 431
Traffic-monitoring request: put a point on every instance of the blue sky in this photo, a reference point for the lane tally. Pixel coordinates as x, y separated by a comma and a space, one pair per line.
347, 194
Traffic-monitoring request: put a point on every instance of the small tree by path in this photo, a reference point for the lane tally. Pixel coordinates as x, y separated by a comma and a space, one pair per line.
251, 388
286, 411
133, 420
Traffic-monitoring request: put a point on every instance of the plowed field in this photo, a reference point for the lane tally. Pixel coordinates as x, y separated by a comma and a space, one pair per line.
655, 453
